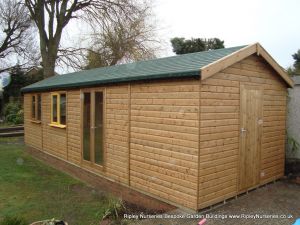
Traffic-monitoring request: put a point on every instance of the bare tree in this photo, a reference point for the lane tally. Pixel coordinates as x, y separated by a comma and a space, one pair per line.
124, 40
16, 39
52, 16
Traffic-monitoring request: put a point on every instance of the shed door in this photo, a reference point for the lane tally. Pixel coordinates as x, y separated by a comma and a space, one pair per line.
250, 136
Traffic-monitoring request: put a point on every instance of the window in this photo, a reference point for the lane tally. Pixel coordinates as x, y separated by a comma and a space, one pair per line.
39, 107
58, 109
98, 128
87, 126
36, 107
62, 107
33, 106
54, 108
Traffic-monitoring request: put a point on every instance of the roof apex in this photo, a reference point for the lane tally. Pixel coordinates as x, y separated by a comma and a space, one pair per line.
241, 54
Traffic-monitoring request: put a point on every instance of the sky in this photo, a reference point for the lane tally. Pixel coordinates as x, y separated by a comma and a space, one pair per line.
272, 23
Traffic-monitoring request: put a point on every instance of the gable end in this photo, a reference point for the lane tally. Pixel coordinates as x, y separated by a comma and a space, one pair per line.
221, 64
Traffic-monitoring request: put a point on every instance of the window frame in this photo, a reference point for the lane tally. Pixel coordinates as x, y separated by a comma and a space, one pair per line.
39, 107
58, 122
35, 118
91, 163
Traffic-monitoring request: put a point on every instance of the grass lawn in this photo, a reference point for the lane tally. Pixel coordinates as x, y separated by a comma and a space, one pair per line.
35, 191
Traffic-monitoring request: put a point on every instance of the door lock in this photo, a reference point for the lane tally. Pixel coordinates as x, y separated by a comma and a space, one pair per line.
243, 130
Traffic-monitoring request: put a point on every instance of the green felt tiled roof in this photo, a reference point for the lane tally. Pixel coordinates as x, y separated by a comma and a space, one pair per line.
186, 65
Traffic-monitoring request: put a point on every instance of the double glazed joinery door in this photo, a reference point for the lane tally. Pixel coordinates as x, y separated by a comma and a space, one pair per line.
93, 127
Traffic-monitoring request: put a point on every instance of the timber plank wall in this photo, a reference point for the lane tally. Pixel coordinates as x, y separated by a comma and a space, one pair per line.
154, 130
219, 132
165, 140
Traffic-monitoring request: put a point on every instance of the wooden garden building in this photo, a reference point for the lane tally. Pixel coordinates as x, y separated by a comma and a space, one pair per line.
191, 130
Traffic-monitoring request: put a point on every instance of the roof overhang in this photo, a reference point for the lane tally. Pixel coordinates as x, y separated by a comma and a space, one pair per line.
221, 64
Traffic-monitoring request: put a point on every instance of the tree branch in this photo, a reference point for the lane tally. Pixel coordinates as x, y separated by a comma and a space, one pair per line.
15, 33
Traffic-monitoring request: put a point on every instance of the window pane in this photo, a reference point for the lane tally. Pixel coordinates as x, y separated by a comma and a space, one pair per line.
86, 126
39, 109
99, 128
54, 108
33, 107
63, 109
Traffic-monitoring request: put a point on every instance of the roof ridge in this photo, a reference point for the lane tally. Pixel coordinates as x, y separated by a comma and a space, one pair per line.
181, 55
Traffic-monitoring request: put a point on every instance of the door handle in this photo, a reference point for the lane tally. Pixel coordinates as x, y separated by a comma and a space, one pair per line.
243, 130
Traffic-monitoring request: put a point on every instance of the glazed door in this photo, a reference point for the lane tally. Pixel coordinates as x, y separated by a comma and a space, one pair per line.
92, 133
250, 136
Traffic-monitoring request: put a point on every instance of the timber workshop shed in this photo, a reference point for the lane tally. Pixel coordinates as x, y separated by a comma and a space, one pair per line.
191, 130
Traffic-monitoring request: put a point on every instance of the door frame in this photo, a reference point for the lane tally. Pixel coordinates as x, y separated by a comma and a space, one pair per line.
86, 163
251, 86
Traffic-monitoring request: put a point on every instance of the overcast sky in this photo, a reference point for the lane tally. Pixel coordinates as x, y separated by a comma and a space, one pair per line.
272, 23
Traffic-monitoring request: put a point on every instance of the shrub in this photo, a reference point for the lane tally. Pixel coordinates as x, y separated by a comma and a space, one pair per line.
13, 220
115, 207
293, 144
13, 113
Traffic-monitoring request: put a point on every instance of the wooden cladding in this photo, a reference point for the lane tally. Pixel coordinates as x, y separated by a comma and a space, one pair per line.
164, 140
176, 140
222, 161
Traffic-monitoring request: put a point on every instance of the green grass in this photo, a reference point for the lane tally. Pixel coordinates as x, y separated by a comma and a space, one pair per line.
35, 191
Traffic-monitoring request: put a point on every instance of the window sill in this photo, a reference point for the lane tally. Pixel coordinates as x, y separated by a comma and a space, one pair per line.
36, 121
89, 164
57, 125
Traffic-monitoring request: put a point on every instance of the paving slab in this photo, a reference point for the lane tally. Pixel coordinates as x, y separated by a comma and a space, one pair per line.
274, 204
